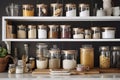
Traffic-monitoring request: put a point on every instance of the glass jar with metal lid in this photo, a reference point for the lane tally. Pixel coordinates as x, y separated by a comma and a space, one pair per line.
78, 33
53, 31
87, 56
70, 10
28, 10
115, 57
65, 31
31, 31
21, 31
69, 59
54, 58
57, 9
42, 31
104, 57
42, 10
95, 32
108, 32
84, 10
88, 34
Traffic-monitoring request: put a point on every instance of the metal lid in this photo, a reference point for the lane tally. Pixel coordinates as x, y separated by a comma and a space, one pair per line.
41, 5
65, 26
86, 46
54, 51
83, 5
69, 51
31, 58
56, 5
53, 26
95, 28
108, 28
71, 5
104, 48
27, 6
40, 45
115, 48
42, 26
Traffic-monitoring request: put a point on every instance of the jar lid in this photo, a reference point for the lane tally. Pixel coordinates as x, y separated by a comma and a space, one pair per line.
95, 28
41, 5
31, 26
54, 51
53, 26
107, 28
78, 29
104, 48
65, 26
21, 26
27, 5
71, 5
83, 5
56, 5
69, 51
31, 58
40, 45
42, 26
87, 46
115, 47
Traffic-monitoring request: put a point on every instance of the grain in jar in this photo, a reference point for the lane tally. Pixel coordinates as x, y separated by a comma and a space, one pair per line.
28, 10
21, 32
87, 34
95, 32
31, 31
42, 10
87, 56
42, 31
78, 33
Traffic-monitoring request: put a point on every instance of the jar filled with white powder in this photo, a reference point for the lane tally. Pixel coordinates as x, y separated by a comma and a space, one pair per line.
78, 33
31, 31
21, 32
42, 32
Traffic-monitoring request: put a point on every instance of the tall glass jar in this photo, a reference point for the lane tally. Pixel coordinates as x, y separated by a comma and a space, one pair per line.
53, 31
104, 57
31, 31
42, 10
57, 9
78, 33
70, 10
28, 10
42, 31
69, 59
65, 31
84, 10
96, 32
87, 56
88, 34
21, 32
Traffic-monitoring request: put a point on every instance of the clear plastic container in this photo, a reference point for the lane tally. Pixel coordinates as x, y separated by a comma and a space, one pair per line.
57, 9
87, 56
42, 10
31, 31
88, 34
78, 33
96, 34
42, 31
69, 59
21, 32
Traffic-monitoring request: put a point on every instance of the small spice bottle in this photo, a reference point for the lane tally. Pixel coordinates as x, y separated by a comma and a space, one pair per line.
42, 31
57, 9
28, 10
41, 10
53, 31
21, 32
65, 31
11, 68
31, 31
78, 33
32, 63
95, 32
87, 34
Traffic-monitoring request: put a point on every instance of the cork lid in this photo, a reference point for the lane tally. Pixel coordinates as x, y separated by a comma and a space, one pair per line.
27, 6
41, 5
69, 51
83, 5
108, 28
71, 5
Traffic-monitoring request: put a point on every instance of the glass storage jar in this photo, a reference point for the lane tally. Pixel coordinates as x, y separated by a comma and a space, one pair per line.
65, 31
69, 59
11, 68
28, 10
32, 63
21, 31
42, 31
95, 32
115, 57
42, 10
70, 10
78, 33
88, 34
104, 57
84, 10
53, 31
31, 31
57, 9
108, 32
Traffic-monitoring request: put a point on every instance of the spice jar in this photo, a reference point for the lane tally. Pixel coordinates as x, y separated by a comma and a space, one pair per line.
11, 68
87, 56
70, 10
115, 57
32, 63
84, 10
53, 31
31, 31
21, 31
54, 58
57, 9
65, 31
69, 59
78, 33
95, 32
104, 57
41, 10
42, 31
108, 32
28, 10
87, 34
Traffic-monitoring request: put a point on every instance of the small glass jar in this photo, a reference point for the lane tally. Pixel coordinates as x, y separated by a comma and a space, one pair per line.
69, 59
41, 10
95, 32
32, 63
65, 31
28, 10
78, 33
115, 57
42, 31
21, 32
57, 9
88, 34
31, 31
104, 57
11, 68
19, 69
53, 31
70, 10
87, 56
84, 10
108, 32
